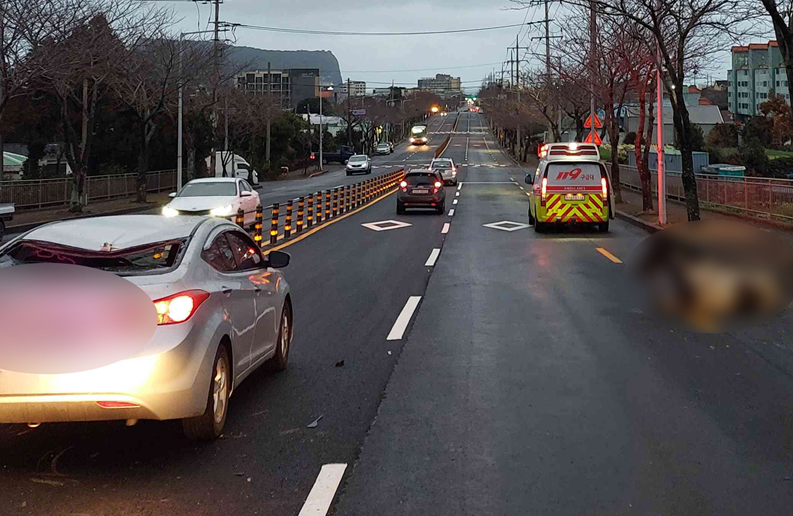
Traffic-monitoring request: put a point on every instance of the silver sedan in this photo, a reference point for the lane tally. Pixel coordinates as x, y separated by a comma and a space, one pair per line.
223, 309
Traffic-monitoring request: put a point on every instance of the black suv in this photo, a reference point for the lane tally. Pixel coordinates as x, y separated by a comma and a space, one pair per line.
421, 189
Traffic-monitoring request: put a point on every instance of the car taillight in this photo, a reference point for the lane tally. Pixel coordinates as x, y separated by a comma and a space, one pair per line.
438, 184
403, 185
179, 307
543, 191
604, 191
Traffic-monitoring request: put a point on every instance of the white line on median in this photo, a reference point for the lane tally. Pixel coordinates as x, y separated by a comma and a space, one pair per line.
403, 320
451, 212
459, 187
445, 228
433, 257
321, 495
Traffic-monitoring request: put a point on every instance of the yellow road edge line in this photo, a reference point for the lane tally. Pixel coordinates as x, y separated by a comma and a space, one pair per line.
325, 224
608, 255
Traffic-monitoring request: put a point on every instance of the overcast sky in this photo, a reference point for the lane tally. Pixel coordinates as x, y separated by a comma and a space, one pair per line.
378, 60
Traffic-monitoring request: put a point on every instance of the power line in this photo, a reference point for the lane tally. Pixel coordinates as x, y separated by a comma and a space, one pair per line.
340, 33
423, 69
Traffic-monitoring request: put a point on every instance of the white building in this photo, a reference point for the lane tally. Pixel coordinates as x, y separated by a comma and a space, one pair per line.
358, 88
333, 124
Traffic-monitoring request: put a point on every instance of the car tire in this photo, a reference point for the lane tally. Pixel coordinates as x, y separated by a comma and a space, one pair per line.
209, 425
442, 208
539, 227
400, 209
349, 173
2, 230
324, 161
531, 218
603, 227
284, 342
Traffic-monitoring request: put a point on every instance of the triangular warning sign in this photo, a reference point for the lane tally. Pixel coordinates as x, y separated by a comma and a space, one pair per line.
588, 123
598, 140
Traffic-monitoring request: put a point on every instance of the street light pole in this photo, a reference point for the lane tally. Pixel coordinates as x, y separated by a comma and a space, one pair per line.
660, 135
330, 88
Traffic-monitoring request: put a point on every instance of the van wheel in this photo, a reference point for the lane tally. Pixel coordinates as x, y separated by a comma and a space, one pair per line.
209, 425
324, 161
539, 227
603, 227
532, 222
281, 357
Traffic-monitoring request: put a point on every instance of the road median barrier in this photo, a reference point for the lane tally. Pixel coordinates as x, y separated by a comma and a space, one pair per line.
338, 202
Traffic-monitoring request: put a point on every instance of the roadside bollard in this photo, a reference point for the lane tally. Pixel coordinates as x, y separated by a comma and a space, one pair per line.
327, 205
357, 201
257, 228
310, 217
335, 201
288, 223
301, 207
240, 218
342, 197
274, 223
347, 198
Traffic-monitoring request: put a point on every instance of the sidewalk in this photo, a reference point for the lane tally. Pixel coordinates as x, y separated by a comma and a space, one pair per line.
28, 219
631, 207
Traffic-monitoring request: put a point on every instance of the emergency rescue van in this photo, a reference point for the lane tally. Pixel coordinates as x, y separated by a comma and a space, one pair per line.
570, 186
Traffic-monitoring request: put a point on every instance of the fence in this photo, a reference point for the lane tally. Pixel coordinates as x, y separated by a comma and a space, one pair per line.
765, 198
42, 193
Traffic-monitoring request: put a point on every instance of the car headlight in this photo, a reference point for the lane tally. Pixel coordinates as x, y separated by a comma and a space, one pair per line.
412, 139
169, 212
225, 211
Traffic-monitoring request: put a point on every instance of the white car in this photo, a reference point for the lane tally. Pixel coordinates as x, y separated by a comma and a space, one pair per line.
218, 197
384, 148
222, 309
447, 169
359, 163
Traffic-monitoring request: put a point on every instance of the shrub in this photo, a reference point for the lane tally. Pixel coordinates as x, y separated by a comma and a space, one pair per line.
753, 156
759, 128
723, 135
630, 138
779, 168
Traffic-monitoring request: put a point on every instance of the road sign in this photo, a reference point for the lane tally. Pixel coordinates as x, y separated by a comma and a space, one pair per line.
588, 139
588, 123
358, 112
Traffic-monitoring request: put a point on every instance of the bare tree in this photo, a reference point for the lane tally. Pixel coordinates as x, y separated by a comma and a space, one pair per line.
781, 13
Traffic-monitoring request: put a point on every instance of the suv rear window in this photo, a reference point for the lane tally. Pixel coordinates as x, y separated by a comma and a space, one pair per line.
573, 174
147, 259
421, 179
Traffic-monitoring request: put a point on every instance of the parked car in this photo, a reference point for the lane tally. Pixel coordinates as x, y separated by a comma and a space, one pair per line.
384, 148
218, 197
447, 169
223, 309
340, 156
421, 188
360, 163
6, 215
228, 164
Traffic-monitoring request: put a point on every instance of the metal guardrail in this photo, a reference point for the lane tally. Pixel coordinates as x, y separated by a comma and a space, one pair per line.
42, 193
764, 198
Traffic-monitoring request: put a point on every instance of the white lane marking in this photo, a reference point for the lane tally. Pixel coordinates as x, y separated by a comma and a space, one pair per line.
403, 320
506, 225
490, 182
457, 193
511, 178
433, 257
445, 228
451, 212
522, 188
321, 495
466, 148
455, 201
460, 186
386, 225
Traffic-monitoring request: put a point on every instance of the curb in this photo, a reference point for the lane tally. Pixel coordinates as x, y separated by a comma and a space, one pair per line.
636, 221
21, 228
316, 174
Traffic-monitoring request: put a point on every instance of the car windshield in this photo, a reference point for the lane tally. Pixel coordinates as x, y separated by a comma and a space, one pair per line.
357, 159
148, 258
442, 164
209, 189
382, 146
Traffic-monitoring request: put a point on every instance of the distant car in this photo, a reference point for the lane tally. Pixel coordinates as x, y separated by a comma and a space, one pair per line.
222, 311
360, 163
383, 148
447, 169
421, 188
217, 197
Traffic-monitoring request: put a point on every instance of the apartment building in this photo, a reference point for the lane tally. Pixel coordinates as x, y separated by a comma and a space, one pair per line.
757, 73
290, 86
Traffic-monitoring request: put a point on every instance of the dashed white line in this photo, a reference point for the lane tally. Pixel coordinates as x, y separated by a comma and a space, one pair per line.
460, 186
457, 193
455, 201
445, 228
321, 495
433, 257
401, 324
451, 212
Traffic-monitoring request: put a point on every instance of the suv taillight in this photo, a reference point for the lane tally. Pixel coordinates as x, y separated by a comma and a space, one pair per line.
403, 185
543, 191
604, 191
179, 307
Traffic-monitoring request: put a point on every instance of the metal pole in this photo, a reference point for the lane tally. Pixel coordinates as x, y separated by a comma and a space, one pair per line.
179, 123
321, 161
660, 135
593, 61
548, 66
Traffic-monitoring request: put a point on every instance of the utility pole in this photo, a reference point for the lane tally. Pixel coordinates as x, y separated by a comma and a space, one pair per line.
213, 156
548, 66
269, 113
349, 113
592, 64
660, 130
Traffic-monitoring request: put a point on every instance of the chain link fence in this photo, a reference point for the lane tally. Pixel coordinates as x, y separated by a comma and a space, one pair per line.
763, 198
44, 193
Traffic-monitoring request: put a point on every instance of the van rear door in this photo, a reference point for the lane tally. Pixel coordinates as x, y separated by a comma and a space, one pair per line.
574, 192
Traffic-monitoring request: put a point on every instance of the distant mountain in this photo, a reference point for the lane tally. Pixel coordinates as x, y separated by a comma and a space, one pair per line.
283, 59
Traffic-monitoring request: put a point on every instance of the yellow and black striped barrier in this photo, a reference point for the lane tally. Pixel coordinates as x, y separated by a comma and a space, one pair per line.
257, 228
335, 202
310, 216
327, 205
301, 208
240, 220
288, 222
274, 224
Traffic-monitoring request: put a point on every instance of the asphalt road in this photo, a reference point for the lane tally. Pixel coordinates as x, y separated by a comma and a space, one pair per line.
524, 383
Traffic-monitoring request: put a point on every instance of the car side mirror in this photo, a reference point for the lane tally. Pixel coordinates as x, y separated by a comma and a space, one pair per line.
346, 161
172, 195
529, 179
245, 193
278, 259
